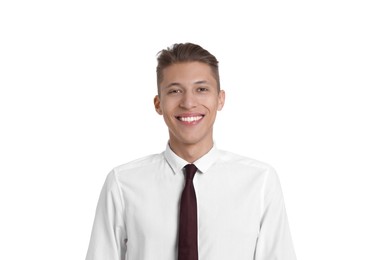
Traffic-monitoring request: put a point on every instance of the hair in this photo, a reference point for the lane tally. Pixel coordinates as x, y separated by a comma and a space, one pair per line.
185, 52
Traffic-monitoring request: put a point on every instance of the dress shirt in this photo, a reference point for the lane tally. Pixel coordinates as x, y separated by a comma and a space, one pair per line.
241, 212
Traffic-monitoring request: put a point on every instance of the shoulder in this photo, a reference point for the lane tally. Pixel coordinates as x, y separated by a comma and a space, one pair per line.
136, 165
233, 159
240, 164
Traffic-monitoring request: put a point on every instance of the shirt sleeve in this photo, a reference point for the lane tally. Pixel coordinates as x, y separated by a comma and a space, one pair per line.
108, 238
274, 241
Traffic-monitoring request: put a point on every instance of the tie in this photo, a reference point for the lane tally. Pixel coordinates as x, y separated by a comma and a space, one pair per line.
188, 227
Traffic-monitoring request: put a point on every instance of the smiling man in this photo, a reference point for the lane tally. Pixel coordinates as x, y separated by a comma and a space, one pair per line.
192, 201
189, 100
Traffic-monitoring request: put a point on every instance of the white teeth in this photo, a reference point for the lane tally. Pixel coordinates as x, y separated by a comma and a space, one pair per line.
190, 119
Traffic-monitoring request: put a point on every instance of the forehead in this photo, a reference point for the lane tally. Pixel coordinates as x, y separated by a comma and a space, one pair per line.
185, 71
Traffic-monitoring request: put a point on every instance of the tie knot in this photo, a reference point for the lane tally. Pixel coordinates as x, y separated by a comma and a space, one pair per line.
190, 171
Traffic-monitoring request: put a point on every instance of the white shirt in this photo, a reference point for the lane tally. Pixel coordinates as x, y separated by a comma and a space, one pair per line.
241, 212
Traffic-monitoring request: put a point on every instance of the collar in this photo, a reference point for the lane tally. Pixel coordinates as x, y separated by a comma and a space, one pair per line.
203, 164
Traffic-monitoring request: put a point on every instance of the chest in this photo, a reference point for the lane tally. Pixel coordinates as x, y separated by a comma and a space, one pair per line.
230, 206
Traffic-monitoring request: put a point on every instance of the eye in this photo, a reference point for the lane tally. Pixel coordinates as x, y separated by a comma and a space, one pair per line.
202, 89
174, 91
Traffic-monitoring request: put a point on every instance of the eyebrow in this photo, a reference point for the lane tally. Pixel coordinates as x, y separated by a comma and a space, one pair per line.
172, 84
199, 82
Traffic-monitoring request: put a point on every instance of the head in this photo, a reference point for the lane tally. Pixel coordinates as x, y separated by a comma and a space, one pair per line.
189, 96
185, 52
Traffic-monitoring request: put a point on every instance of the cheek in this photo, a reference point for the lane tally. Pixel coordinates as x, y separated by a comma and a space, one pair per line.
217, 106
168, 105
167, 112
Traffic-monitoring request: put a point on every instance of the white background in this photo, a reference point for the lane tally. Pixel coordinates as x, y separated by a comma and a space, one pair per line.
307, 86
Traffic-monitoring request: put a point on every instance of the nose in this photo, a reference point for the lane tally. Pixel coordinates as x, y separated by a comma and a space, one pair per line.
188, 100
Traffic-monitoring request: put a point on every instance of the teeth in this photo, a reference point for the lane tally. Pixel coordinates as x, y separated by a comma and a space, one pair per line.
190, 119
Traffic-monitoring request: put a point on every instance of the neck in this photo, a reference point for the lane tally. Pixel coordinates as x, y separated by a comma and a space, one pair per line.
190, 152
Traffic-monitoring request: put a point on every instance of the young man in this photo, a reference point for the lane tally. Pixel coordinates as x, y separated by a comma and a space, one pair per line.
192, 201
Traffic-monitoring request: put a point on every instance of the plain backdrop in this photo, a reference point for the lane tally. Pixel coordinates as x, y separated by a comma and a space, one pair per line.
307, 91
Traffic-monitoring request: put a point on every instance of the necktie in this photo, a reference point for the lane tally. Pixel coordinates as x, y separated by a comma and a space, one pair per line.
188, 226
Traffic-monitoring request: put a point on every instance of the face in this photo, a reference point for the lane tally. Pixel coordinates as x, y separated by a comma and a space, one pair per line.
189, 101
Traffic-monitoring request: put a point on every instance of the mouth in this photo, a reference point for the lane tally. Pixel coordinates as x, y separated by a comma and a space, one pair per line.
190, 119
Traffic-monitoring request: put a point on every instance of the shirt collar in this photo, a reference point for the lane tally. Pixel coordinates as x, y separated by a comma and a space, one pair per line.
203, 164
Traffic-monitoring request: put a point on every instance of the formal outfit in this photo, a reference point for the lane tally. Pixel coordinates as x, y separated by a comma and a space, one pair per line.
240, 210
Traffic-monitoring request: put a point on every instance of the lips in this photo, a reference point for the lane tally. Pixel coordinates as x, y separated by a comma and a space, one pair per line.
193, 118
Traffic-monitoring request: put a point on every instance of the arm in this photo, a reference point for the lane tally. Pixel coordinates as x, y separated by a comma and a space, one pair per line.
274, 241
108, 238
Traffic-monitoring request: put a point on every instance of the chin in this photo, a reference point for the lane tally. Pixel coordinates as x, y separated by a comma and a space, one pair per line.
188, 140
191, 142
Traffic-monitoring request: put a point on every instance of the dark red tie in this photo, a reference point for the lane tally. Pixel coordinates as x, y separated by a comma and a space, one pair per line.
188, 227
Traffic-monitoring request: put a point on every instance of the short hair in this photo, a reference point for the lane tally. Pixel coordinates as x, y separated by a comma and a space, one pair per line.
185, 52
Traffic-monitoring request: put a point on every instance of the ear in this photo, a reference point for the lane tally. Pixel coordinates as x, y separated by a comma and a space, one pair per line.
157, 104
221, 99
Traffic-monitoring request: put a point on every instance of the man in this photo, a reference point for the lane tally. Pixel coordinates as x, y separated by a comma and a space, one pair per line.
230, 208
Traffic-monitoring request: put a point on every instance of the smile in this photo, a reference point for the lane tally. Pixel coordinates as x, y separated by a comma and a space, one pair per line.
190, 119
